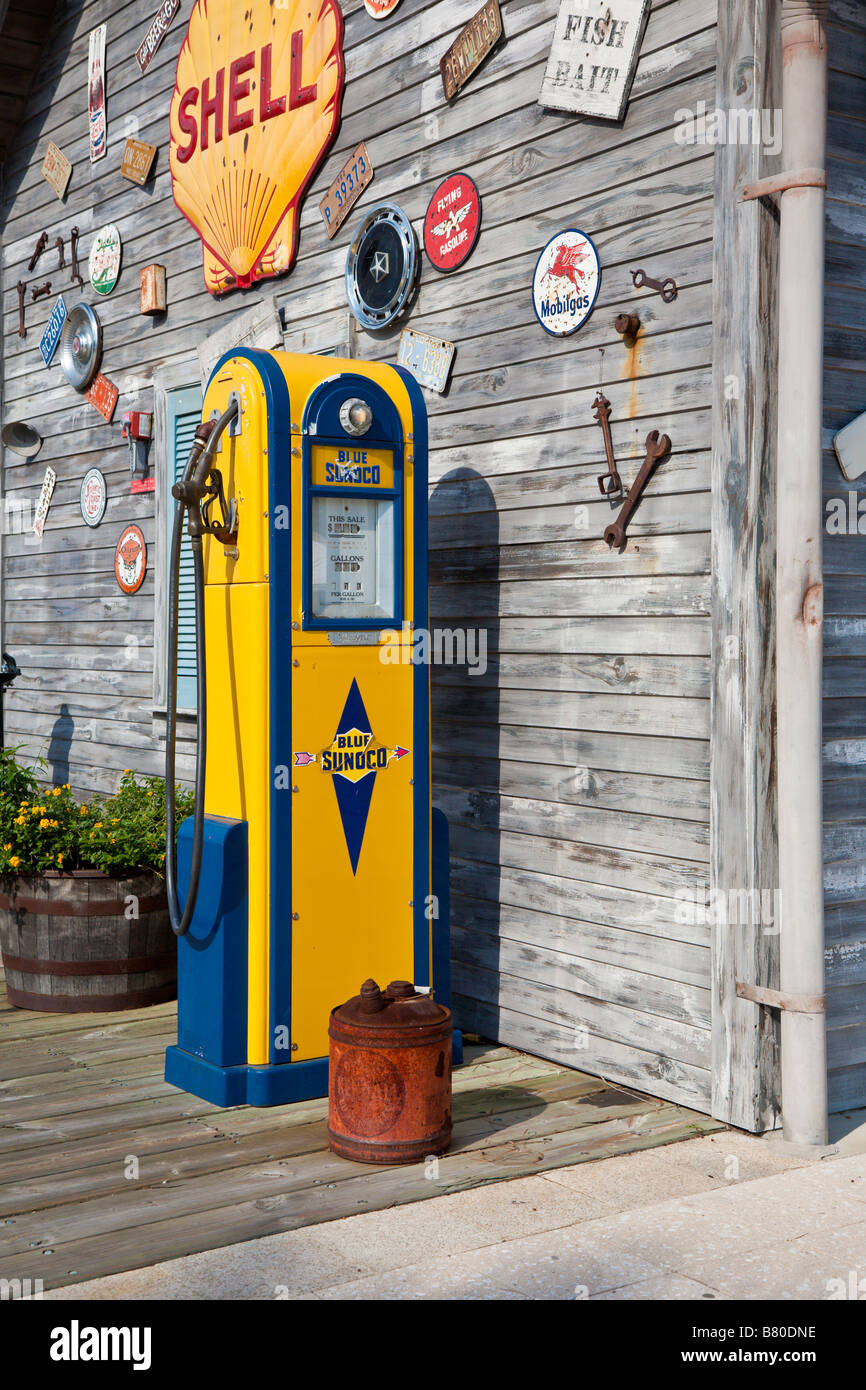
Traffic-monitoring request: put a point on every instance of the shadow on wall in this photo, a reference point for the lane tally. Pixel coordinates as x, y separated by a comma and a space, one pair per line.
464, 622
59, 746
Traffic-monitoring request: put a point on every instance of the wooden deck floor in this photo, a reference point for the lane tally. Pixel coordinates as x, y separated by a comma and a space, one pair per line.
104, 1168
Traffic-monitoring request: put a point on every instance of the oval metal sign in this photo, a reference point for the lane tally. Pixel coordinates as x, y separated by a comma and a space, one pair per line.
452, 223
566, 282
104, 263
130, 560
94, 496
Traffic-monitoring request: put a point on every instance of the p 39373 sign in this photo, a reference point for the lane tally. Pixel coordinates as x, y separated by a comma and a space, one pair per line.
346, 189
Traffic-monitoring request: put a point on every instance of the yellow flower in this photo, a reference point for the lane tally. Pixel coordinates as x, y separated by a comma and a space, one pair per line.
20, 820
23, 804
66, 787
150, 793
7, 847
115, 820
97, 825
54, 824
82, 810
44, 823
56, 791
15, 861
60, 858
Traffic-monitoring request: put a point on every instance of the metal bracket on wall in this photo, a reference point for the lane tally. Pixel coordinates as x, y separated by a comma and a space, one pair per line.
779, 183
775, 999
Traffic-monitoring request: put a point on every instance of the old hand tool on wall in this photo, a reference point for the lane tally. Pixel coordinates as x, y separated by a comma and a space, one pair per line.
73, 251
656, 448
666, 288
609, 482
37, 251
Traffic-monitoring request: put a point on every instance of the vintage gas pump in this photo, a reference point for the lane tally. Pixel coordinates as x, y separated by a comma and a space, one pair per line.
314, 860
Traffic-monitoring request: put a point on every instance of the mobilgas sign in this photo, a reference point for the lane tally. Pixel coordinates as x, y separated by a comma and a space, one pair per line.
255, 108
566, 281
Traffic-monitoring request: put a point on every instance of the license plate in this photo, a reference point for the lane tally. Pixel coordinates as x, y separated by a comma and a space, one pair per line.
428, 359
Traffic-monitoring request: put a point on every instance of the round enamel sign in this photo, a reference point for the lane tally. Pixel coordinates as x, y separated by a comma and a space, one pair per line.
380, 9
104, 263
93, 497
130, 560
452, 223
566, 281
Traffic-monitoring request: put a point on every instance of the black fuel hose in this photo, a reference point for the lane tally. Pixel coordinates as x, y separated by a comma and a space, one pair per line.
188, 494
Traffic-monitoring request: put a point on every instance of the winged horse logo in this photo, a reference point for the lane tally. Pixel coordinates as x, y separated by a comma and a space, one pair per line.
566, 264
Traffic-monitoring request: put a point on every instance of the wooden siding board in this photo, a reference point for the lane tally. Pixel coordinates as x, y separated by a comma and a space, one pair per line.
845, 625
743, 499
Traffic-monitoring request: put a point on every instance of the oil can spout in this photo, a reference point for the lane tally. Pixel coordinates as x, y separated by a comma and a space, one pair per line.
372, 999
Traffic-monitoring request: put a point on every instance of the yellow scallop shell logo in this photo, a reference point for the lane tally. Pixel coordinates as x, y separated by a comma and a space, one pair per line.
255, 108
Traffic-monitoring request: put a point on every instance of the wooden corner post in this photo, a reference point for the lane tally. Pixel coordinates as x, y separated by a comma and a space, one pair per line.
744, 872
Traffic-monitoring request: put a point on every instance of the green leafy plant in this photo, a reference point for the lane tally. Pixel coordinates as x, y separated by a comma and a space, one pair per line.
44, 828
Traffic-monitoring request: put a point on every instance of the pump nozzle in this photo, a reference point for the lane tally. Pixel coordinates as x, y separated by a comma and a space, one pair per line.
188, 493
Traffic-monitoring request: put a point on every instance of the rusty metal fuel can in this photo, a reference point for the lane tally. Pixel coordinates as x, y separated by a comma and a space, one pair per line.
389, 1092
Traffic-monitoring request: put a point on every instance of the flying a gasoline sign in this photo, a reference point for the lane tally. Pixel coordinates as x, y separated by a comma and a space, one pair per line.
255, 109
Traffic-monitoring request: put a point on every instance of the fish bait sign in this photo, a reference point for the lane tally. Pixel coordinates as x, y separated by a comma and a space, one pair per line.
53, 329
473, 44
593, 57
566, 281
156, 33
428, 359
346, 189
255, 109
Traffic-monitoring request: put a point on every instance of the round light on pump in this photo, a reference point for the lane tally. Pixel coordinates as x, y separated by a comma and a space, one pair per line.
356, 417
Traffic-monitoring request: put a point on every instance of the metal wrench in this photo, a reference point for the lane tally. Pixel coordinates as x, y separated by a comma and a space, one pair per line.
609, 482
656, 448
666, 288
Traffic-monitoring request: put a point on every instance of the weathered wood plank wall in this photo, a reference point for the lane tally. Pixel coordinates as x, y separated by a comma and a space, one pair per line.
845, 564
575, 771
742, 766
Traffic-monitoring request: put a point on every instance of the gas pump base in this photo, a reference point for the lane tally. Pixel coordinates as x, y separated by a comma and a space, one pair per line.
212, 977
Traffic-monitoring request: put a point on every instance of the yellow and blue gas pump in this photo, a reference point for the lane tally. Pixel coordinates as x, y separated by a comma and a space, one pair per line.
313, 860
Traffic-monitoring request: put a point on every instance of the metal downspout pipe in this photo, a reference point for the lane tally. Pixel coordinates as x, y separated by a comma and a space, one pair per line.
799, 575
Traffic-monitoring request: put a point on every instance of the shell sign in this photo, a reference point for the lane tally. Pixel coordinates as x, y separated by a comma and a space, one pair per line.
255, 108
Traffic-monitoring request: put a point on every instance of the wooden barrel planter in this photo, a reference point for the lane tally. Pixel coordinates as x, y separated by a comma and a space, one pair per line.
69, 946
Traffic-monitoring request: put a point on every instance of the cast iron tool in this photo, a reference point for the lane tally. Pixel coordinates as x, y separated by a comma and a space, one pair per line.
22, 290
37, 250
609, 482
41, 291
73, 252
666, 288
656, 448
